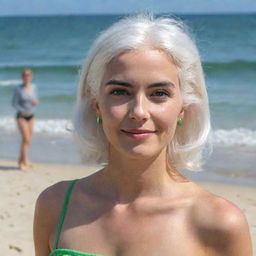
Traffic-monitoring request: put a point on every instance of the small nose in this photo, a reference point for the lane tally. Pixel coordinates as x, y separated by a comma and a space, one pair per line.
139, 108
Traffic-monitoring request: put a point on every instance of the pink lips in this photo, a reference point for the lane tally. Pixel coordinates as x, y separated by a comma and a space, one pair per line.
138, 133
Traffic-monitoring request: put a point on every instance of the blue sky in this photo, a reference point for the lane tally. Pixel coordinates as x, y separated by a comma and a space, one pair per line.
48, 7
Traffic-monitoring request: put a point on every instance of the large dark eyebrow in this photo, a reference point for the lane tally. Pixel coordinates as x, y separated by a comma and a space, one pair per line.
125, 84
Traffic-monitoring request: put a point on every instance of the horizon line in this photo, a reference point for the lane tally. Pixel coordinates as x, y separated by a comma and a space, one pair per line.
130, 13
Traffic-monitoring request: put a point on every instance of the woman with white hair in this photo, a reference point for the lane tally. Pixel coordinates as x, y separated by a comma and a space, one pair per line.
142, 110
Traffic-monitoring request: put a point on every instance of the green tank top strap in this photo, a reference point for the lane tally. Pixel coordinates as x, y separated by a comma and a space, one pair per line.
63, 212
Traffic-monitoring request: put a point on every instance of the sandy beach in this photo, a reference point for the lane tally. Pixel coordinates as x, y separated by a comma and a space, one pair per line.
19, 190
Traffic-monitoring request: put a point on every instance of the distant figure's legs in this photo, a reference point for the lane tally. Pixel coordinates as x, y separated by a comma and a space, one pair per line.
26, 130
31, 123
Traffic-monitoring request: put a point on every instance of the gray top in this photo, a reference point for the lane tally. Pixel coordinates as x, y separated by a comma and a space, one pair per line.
22, 100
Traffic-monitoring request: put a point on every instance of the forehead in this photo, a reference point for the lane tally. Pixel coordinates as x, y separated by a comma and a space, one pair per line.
147, 62
27, 72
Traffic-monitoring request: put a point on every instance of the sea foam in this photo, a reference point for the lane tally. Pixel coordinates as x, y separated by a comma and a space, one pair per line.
238, 137
63, 127
5, 83
55, 127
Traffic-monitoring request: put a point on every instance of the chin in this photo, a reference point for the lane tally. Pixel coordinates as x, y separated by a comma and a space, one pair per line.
141, 152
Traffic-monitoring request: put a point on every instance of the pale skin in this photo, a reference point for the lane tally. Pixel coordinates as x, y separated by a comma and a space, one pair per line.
26, 127
136, 205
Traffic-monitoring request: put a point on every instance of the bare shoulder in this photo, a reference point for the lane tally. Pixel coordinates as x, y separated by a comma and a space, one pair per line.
215, 211
49, 204
221, 225
47, 214
52, 197
51, 200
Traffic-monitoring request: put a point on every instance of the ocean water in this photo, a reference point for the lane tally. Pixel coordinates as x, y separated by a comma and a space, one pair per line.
55, 47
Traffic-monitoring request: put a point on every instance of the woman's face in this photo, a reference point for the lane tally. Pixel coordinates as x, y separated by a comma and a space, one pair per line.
140, 102
27, 77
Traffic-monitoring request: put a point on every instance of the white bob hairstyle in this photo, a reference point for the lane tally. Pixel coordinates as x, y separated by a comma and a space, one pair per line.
135, 32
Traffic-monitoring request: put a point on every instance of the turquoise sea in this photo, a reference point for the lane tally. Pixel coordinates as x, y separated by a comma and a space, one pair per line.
55, 46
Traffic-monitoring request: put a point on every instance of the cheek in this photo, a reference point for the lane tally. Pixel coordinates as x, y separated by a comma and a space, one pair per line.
112, 117
167, 116
112, 114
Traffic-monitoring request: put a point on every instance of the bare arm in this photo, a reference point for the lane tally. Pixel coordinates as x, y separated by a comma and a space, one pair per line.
35, 101
42, 227
46, 217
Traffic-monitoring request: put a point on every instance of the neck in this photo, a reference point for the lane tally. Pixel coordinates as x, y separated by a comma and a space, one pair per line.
26, 84
128, 179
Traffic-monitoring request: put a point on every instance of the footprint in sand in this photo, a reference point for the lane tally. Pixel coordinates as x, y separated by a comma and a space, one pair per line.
16, 248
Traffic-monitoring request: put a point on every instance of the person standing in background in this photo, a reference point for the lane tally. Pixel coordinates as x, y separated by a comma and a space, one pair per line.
24, 99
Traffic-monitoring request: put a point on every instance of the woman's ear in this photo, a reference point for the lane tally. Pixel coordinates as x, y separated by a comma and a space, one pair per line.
94, 102
95, 106
182, 113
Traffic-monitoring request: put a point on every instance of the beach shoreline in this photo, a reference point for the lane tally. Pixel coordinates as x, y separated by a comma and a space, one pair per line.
231, 165
19, 191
